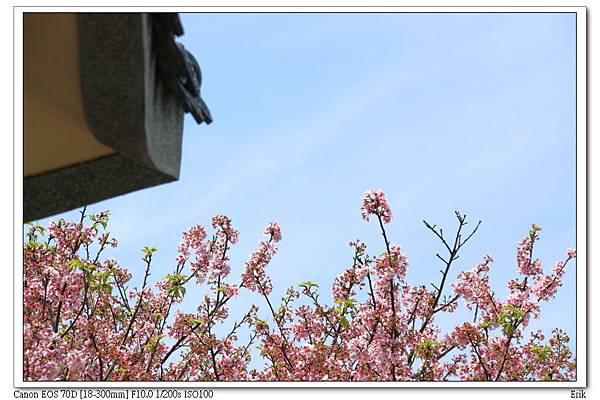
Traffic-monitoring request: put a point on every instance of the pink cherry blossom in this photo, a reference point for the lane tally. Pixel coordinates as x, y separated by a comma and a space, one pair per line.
273, 231
86, 318
374, 202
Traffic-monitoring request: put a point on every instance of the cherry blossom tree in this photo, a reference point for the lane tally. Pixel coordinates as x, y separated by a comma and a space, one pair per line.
83, 321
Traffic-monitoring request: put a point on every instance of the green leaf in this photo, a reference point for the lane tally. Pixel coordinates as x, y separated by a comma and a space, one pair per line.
427, 348
308, 284
153, 342
177, 291
344, 322
175, 278
541, 353
509, 317
148, 251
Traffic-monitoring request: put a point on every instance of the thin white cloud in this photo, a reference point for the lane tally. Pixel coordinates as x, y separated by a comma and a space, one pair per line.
279, 152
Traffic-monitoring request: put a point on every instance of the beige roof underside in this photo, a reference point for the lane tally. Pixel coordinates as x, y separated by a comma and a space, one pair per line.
56, 134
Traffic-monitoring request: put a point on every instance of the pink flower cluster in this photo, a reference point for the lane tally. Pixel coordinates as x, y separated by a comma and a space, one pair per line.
344, 284
83, 321
226, 231
193, 240
525, 264
474, 287
273, 231
255, 278
391, 265
374, 202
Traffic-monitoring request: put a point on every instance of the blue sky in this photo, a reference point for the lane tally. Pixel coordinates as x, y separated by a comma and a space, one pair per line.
469, 112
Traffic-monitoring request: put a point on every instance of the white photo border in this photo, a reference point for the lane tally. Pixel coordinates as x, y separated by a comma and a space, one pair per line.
581, 195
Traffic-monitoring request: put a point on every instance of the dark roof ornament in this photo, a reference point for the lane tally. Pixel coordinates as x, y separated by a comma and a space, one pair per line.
177, 66
115, 86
